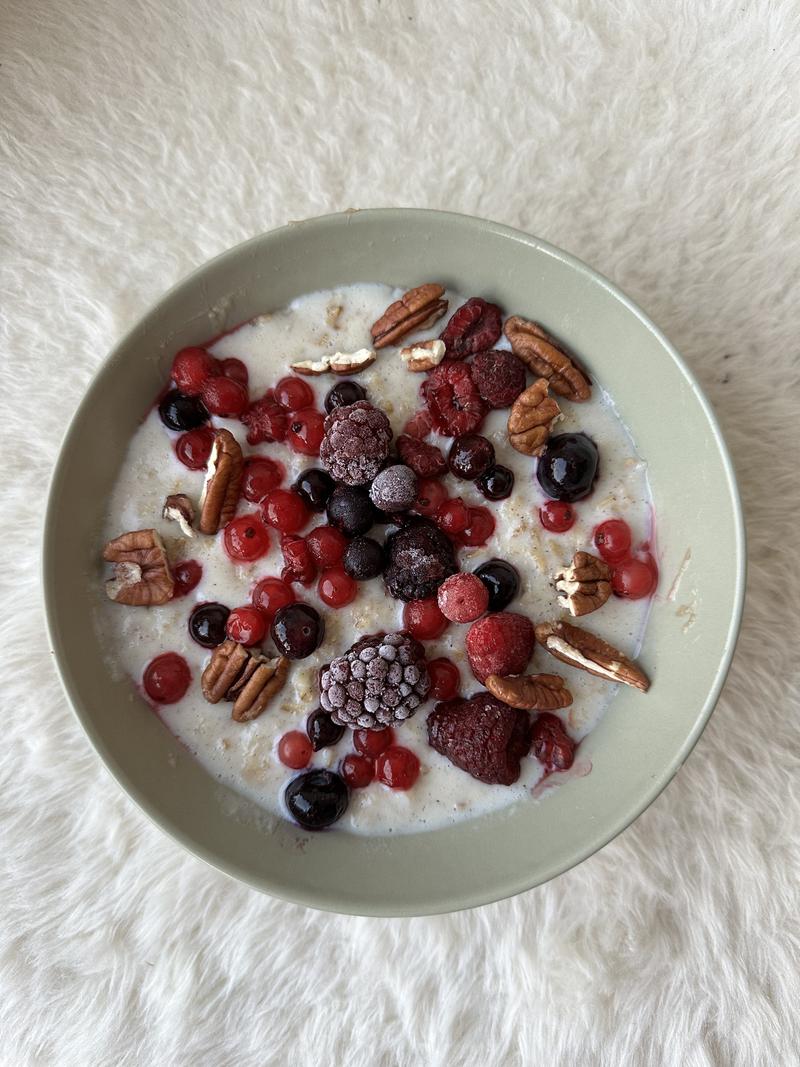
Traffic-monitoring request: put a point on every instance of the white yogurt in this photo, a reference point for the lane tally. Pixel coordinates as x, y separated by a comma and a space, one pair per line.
244, 755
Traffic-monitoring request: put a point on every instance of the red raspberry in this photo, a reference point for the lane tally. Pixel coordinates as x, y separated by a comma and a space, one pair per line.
236, 370
423, 619
224, 397
462, 597
419, 425
453, 516
293, 393
306, 430
445, 679
300, 566
551, 744
499, 377
285, 510
294, 750
480, 528
482, 736
246, 625
187, 575
431, 494
246, 538
166, 678
271, 594
265, 420
260, 476
473, 328
397, 767
357, 771
500, 643
194, 447
336, 588
191, 368
327, 545
453, 400
425, 459
372, 742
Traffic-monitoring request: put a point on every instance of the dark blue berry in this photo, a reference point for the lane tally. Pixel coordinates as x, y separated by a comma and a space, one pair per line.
322, 731
497, 483
567, 467
502, 581
207, 624
315, 487
297, 630
181, 412
317, 799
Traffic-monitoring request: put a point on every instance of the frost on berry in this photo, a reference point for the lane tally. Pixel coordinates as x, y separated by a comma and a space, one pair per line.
475, 327
356, 443
500, 643
482, 736
420, 558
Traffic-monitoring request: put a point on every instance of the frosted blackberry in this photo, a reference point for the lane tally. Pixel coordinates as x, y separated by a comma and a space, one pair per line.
356, 443
394, 489
420, 558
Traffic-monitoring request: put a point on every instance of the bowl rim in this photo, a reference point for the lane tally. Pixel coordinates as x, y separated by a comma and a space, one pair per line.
460, 900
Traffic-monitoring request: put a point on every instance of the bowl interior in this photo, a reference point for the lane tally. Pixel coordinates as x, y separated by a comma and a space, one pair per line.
641, 742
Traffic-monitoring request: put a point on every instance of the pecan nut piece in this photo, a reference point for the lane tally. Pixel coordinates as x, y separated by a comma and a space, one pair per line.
530, 692
532, 417
545, 356
583, 650
351, 362
415, 310
243, 676
423, 356
179, 508
312, 368
142, 577
223, 482
585, 585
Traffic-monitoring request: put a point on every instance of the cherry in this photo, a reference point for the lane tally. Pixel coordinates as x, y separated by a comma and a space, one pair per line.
462, 597
181, 412
327, 545
224, 397
247, 625
191, 369
297, 630
166, 678
322, 731
207, 624
423, 619
316, 799
431, 494
305, 432
397, 767
293, 393
194, 447
357, 771
294, 750
445, 679
453, 516
557, 516
612, 539
336, 588
187, 575
497, 483
633, 579
246, 538
344, 394
271, 594
300, 566
285, 510
480, 528
470, 456
260, 476
235, 370
315, 487
372, 742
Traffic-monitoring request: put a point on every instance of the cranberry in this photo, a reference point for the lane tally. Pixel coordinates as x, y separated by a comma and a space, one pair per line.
191, 369
294, 750
315, 487
557, 516
497, 483
567, 467
207, 624
372, 742
235, 370
397, 767
501, 580
306, 430
293, 393
166, 678
633, 579
271, 594
470, 456
187, 575
357, 771
327, 545
247, 625
423, 619
612, 539
297, 631
300, 566
431, 494
344, 394
224, 397
284, 510
336, 588
181, 412
480, 528
194, 448
260, 476
453, 516
316, 799
322, 731
445, 679
551, 744
246, 538
462, 598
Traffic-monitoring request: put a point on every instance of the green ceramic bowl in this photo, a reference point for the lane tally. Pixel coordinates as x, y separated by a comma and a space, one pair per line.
642, 741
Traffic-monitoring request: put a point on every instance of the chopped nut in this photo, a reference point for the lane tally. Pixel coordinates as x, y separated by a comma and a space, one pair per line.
142, 577
583, 650
415, 310
532, 417
585, 585
332, 314
530, 692
244, 676
545, 356
423, 356
312, 367
179, 508
223, 481
353, 362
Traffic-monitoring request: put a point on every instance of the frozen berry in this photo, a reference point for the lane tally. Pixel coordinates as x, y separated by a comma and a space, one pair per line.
305, 431
299, 564
633, 579
397, 767
350, 510
474, 327
424, 459
372, 742
482, 736
567, 467
500, 643
327, 545
557, 516
470, 456
293, 393
364, 559
271, 594
260, 476
497, 483
294, 750
336, 588
322, 731
224, 397
265, 420
357, 771
180, 412
343, 395
453, 400
186, 576
191, 369
285, 510
445, 678
207, 624
423, 619
166, 678
246, 538
431, 494
453, 516
419, 425
316, 799
315, 487
499, 377
235, 370
551, 744
246, 625
420, 557
297, 630
356, 443
612, 539
501, 581
194, 448
394, 488
462, 598
479, 529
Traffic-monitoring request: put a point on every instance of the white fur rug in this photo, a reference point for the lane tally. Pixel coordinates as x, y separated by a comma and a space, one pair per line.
656, 140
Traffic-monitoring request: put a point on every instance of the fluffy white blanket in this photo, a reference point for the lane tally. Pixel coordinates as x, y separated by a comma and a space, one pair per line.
656, 140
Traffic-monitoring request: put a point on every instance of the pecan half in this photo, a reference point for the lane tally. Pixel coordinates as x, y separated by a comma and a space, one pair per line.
583, 650
352, 362
244, 676
179, 508
142, 577
545, 356
223, 482
531, 420
585, 585
415, 310
530, 692
423, 356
